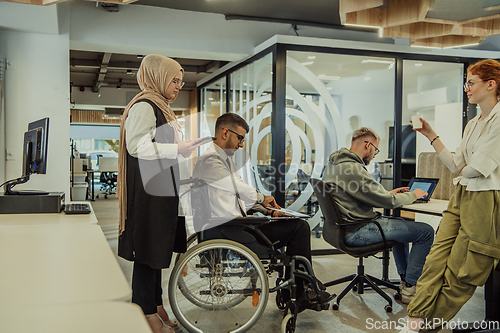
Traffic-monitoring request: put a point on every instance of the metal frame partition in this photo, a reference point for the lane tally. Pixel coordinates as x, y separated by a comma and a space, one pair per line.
279, 92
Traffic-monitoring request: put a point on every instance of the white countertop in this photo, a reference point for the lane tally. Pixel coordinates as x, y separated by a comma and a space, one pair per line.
109, 317
48, 218
433, 207
55, 264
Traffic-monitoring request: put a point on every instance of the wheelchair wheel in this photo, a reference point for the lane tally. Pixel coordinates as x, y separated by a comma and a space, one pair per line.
191, 242
225, 288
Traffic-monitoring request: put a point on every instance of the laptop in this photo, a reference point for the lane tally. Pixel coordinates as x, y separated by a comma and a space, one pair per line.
425, 184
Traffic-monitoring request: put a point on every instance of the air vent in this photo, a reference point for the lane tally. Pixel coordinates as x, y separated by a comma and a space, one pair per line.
113, 113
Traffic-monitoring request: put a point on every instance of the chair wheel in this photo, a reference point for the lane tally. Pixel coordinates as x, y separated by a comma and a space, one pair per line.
279, 301
388, 308
355, 288
335, 306
397, 296
288, 324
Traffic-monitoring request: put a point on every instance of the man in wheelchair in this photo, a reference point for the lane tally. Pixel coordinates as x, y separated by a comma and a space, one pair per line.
230, 197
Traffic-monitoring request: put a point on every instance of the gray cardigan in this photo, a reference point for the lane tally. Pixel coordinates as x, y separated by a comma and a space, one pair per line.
359, 193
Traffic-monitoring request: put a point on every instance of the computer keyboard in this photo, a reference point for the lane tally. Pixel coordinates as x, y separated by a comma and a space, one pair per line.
77, 208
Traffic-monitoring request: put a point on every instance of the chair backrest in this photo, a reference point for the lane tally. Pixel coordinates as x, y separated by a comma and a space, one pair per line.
431, 166
334, 226
333, 231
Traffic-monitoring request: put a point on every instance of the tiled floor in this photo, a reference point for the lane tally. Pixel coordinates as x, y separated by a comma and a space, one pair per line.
357, 313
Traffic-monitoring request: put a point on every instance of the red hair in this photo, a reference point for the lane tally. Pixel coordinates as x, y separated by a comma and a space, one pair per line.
487, 69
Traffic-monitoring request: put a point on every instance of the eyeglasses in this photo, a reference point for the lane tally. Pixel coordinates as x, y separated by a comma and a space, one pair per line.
178, 83
376, 149
240, 137
469, 84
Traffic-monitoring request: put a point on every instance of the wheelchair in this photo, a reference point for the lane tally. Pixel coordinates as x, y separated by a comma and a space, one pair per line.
221, 283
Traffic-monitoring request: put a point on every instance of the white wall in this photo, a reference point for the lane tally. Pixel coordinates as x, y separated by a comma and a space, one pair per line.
29, 18
37, 86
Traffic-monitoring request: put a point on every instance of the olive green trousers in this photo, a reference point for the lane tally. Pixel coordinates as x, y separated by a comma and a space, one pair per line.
466, 247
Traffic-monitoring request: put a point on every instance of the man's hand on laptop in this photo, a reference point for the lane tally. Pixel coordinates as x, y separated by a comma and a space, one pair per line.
401, 190
269, 201
420, 193
275, 213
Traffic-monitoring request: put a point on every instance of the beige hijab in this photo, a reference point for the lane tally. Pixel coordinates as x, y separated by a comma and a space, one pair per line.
154, 76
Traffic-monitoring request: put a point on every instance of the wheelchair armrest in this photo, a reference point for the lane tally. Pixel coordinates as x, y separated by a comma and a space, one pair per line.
257, 234
239, 220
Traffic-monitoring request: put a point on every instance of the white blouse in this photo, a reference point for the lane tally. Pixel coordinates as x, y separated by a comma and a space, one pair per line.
140, 130
478, 154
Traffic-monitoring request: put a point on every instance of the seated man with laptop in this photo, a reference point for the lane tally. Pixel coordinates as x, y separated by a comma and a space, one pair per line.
359, 193
231, 197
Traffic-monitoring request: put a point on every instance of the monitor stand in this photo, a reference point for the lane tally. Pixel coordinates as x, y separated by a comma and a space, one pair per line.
10, 184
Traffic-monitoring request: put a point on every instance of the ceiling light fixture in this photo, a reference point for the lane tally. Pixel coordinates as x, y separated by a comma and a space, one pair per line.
418, 65
425, 47
377, 61
311, 57
327, 77
464, 45
362, 25
307, 63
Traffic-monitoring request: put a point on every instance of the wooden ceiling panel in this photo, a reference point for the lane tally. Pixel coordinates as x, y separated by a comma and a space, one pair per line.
483, 28
417, 30
408, 19
450, 40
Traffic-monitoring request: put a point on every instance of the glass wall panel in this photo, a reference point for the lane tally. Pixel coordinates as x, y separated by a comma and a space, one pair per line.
250, 90
213, 105
434, 91
328, 96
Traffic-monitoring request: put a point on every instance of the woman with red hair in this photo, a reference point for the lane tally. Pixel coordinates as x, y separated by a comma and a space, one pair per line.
467, 244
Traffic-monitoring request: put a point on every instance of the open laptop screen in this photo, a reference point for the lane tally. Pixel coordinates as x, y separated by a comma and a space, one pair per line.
425, 184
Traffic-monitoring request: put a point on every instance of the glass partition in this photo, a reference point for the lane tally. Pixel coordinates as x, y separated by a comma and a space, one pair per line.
250, 97
213, 104
328, 96
432, 90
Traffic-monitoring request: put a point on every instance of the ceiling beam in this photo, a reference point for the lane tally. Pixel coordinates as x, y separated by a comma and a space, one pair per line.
104, 67
134, 66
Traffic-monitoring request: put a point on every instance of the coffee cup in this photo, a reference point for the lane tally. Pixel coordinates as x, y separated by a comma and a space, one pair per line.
415, 120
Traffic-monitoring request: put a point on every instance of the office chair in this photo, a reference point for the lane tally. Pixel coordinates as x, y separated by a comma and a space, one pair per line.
333, 233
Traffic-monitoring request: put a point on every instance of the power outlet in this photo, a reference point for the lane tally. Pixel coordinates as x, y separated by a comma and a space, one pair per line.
9, 156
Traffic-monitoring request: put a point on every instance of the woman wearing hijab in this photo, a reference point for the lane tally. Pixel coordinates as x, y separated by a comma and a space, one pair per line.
150, 142
467, 244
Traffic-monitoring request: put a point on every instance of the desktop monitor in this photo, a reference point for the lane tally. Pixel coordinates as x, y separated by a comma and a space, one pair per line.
34, 156
408, 144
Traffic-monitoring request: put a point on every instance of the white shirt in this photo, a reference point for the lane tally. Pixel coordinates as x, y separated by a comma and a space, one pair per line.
212, 167
478, 150
140, 130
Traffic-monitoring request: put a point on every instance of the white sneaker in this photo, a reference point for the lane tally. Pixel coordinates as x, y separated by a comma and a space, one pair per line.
407, 293
406, 330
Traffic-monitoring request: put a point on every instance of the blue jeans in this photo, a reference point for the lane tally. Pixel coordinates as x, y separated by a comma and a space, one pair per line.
409, 263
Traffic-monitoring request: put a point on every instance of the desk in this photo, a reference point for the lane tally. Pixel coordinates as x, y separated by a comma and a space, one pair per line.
433, 207
47, 218
109, 317
55, 264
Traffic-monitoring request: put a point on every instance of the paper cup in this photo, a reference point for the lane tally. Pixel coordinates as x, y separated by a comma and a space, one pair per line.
415, 120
